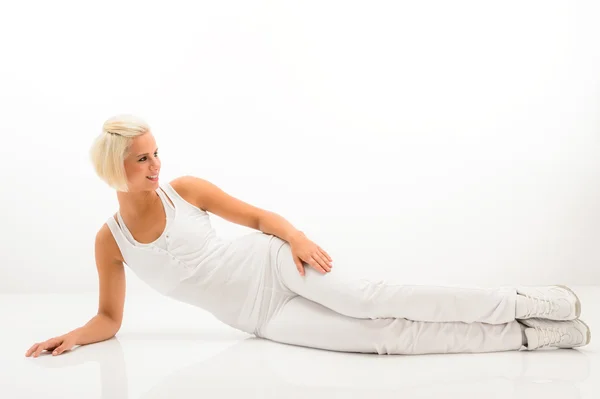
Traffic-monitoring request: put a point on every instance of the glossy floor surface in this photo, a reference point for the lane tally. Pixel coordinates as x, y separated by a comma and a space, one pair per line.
166, 349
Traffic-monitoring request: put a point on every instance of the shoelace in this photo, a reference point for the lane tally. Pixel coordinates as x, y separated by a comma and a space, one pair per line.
542, 307
550, 336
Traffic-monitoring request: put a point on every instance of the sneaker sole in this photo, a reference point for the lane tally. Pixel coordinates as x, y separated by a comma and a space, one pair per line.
577, 301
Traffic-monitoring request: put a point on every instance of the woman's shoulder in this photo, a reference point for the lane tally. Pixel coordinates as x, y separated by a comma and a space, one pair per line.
106, 244
179, 184
184, 187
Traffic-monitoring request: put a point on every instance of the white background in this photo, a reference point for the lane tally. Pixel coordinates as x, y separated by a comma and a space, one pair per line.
430, 142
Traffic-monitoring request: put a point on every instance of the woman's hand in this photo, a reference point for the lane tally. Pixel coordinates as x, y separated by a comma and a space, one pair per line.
56, 345
305, 250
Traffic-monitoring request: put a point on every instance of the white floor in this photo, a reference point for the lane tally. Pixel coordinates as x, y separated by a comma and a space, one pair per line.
167, 349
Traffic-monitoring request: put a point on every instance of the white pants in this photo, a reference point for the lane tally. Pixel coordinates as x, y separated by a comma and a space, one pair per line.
333, 312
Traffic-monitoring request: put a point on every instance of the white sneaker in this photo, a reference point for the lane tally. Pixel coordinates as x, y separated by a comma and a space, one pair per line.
554, 302
556, 334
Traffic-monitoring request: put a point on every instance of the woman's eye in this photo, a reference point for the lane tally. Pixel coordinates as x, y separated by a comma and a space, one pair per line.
141, 159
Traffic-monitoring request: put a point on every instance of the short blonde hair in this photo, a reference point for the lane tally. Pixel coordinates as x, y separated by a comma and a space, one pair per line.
111, 147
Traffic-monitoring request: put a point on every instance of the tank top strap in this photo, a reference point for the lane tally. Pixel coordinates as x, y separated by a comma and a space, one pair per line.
182, 205
124, 228
173, 195
117, 233
166, 201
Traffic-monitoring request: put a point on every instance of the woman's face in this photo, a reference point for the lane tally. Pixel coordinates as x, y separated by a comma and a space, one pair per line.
142, 162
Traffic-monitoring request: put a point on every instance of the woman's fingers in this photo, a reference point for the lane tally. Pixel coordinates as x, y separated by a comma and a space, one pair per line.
318, 264
33, 348
326, 254
39, 349
60, 349
36, 349
68, 342
323, 262
315, 265
326, 259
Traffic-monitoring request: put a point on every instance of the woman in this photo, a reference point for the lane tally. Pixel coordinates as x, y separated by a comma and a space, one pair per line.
258, 284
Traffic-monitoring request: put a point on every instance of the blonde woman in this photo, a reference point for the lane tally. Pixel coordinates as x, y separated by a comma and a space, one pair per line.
259, 283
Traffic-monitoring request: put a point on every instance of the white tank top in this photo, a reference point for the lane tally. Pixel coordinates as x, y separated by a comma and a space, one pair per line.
160, 241
189, 263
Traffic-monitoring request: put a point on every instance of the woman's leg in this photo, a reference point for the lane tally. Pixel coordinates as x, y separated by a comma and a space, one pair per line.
366, 299
302, 322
